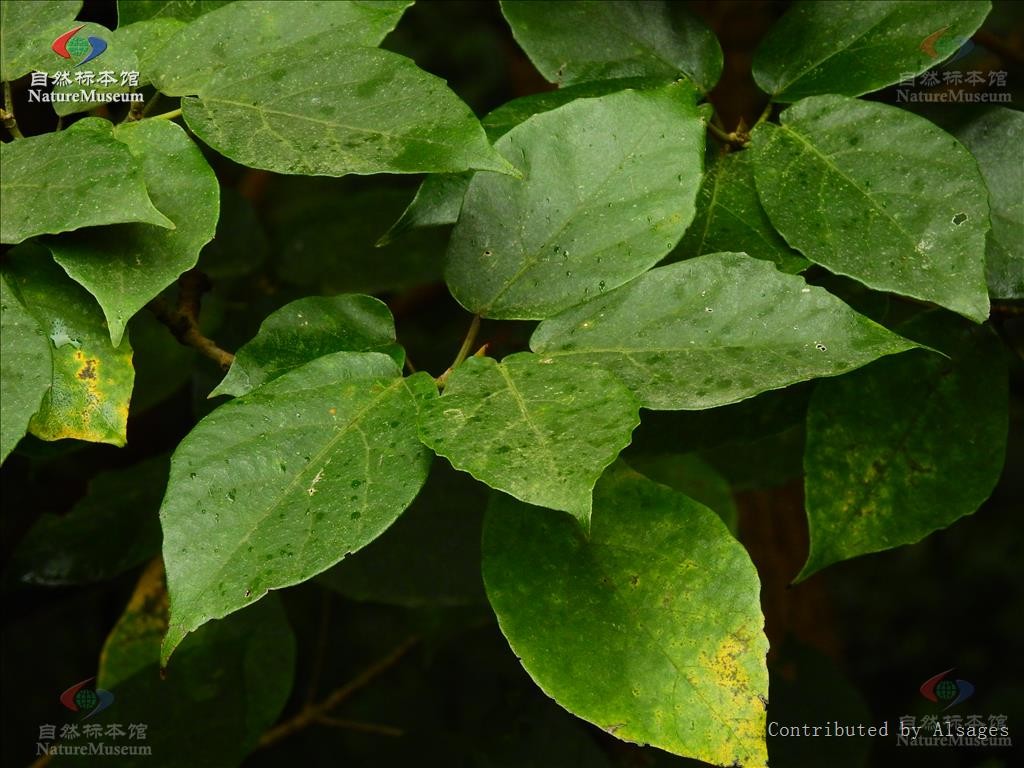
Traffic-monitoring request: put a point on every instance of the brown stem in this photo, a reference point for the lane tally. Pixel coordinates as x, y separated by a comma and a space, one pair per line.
317, 712
7, 113
183, 320
358, 725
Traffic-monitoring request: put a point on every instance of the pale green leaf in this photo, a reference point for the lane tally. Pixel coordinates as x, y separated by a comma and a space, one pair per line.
225, 687
715, 330
126, 265
307, 329
90, 379
850, 47
650, 628
730, 218
42, 196
320, 109
28, 29
538, 430
147, 39
880, 195
995, 136
255, 34
133, 11
906, 446
609, 189
24, 367
277, 486
571, 41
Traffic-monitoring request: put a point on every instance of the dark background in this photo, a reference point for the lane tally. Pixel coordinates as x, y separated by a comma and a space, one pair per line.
853, 643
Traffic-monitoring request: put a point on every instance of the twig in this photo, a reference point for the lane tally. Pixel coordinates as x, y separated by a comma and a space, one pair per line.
357, 725
7, 113
183, 320
467, 344
167, 115
314, 713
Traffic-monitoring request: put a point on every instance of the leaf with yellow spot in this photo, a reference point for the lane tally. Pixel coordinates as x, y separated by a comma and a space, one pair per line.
91, 380
651, 628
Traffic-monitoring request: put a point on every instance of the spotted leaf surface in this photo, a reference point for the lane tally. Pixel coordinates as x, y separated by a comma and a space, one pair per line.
277, 486
650, 628
24, 367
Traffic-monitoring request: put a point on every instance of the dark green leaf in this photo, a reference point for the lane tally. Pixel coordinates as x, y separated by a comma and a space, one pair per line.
715, 330
132, 11
538, 430
691, 475
430, 556
26, 32
590, 214
275, 487
906, 446
730, 218
332, 110
24, 367
41, 196
651, 628
573, 40
233, 35
992, 136
91, 380
226, 686
240, 245
851, 47
880, 195
125, 266
307, 329
111, 529
438, 201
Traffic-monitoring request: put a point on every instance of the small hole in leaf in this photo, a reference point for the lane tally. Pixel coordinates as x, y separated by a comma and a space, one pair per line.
959, 219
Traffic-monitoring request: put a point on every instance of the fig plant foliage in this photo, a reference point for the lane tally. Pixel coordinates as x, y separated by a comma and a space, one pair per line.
664, 263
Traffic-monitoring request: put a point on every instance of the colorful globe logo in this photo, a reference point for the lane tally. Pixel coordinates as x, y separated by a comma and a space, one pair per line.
67, 46
80, 698
941, 689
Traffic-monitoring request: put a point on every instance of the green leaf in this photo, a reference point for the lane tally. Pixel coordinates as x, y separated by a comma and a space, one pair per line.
429, 557
651, 628
117, 58
162, 364
307, 329
227, 685
240, 246
437, 202
231, 36
111, 529
540, 431
852, 48
590, 214
730, 218
991, 137
573, 40
148, 39
126, 265
277, 486
367, 111
27, 30
42, 196
715, 330
90, 379
132, 11
691, 475
880, 195
24, 367
906, 446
